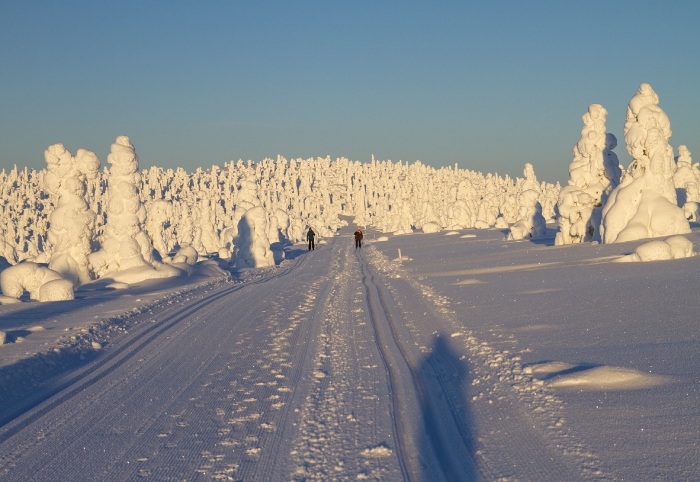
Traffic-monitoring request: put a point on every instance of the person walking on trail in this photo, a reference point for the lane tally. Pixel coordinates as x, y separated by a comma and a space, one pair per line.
310, 238
358, 238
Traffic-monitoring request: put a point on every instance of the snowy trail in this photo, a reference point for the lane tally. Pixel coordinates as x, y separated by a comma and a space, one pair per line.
199, 395
336, 366
444, 447
484, 417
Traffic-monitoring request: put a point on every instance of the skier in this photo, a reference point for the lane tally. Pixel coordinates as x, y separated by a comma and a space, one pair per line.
310, 238
358, 238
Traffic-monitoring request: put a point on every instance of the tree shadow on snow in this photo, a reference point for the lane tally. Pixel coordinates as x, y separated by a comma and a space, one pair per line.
542, 240
448, 429
292, 252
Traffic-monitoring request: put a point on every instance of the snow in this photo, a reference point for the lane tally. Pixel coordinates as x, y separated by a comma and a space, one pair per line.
319, 367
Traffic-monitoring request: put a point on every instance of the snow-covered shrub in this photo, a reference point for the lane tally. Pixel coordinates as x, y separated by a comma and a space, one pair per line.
531, 223
187, 255
56, 290
431, 227
675, 247
644, 203
30, 277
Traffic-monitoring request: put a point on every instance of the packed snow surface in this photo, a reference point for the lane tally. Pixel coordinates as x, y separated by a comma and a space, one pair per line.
473, 358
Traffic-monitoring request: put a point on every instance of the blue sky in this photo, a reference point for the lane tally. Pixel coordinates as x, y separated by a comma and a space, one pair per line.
487, 85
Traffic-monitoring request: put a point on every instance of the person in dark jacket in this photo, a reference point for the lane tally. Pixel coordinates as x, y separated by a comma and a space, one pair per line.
310, 238
358, 238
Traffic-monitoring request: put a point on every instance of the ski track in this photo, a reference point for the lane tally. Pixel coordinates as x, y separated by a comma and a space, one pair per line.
199, 400
346, 430
337, 365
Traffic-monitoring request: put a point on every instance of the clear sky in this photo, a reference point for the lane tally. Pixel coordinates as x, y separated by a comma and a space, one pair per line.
487, 85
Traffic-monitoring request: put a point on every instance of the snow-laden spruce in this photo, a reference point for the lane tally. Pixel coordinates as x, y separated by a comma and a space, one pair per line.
594, 173
127, 252
253, 250
644, 205
72, 223
686, 180
203, 208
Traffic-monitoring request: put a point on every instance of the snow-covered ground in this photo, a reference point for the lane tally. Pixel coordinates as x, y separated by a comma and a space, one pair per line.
472, 358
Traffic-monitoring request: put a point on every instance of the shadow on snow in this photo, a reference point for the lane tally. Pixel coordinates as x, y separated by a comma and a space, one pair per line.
448, 428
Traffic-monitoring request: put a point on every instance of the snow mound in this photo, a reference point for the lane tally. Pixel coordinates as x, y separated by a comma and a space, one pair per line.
8, 300
608, 378
381, 239
137, 274
541, 370
56, 290
209, 268
378, 451
675, 247
451, 233
26, 276
431, 228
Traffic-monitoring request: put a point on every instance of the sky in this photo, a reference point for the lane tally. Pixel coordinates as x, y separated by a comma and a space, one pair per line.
485, 85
